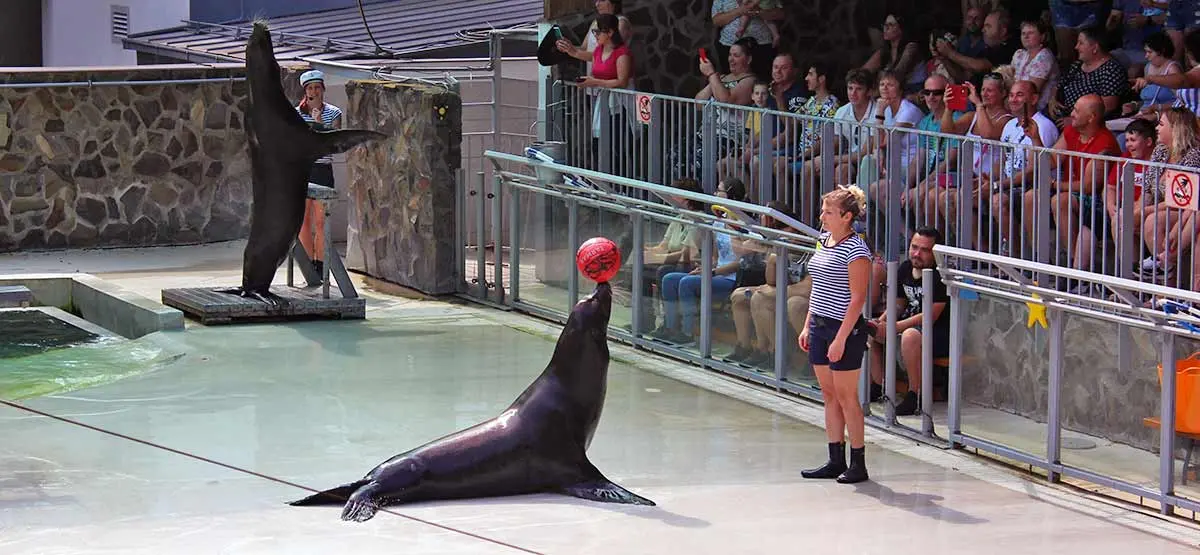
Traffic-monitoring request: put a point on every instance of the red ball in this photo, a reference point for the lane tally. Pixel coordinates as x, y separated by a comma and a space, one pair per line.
599, 259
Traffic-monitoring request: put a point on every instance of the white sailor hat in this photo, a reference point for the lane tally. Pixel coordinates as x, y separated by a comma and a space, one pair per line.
310, 76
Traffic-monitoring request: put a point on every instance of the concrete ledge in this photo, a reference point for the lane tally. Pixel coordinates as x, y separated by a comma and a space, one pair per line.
100, 302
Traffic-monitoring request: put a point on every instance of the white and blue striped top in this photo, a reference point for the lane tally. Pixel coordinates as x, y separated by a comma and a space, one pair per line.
329, 113
830, 269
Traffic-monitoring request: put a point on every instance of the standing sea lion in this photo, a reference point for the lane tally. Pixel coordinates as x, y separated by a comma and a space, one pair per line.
539, 444
282, 151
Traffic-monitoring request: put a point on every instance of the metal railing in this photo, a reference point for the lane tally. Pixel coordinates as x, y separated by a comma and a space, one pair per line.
1033, 203
572, 203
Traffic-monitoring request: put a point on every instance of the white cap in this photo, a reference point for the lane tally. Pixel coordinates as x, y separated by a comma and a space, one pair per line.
310, 76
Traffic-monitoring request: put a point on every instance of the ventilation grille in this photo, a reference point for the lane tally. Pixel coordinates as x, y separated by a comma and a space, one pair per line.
120, 22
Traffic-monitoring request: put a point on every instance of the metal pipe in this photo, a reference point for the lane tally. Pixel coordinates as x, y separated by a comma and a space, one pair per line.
927, 324
889, 345
481, 237
958, 326
639, 262
781, 312
706, 274
514, 241
1054, 397
496, 196
147, 82
1166, 420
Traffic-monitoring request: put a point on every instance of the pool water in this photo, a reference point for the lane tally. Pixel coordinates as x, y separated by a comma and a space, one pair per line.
30, 332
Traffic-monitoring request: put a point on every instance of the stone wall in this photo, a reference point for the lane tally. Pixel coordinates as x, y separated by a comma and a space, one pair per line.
402, 189
1008, 369
124, 165
670, 32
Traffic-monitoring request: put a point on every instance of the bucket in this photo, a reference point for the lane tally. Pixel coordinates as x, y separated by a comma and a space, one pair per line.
556, 150
1187, 393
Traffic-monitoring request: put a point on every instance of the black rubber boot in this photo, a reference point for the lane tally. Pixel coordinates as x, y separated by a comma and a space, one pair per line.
858, 467
833, 467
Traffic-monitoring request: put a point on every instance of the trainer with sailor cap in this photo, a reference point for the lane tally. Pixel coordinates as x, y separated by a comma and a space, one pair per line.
321, 116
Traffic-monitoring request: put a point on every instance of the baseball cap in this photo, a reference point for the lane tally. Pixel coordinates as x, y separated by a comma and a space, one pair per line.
310, 76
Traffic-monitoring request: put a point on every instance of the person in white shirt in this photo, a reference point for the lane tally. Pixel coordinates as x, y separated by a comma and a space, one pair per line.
1029, 127
851, 136
892, 111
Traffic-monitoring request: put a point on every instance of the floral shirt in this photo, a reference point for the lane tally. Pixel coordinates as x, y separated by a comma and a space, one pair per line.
810, 132
1151, 180
1041, 66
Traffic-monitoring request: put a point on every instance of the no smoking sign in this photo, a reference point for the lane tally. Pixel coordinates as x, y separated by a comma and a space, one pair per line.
1181, 189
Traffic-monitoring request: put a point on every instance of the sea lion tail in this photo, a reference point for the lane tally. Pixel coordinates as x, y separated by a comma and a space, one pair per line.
335, 496
336, 142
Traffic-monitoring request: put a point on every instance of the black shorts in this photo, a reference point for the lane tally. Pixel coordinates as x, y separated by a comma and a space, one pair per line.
822, 331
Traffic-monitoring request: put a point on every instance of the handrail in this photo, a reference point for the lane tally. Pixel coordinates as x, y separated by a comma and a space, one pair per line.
662, 192
1019, 287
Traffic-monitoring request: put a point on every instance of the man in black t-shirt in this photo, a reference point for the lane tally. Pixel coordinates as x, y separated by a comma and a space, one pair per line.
998, 50
910, 318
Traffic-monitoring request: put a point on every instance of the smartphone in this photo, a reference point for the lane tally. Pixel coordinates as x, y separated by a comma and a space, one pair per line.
1025, 116
959, 103
703, 55
581, 79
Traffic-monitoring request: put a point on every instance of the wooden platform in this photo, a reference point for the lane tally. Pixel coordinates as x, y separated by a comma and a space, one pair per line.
210, 307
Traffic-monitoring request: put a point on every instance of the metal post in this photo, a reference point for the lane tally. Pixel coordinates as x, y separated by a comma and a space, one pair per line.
573, 242
706, 267
514, 244
497, 237
829, 139
606, 134
766, 160
781, 311
966, 200
1041, 212
1166, 441
656, 141
330, 252
708, 169
639, 261
460, 221
480, 238
894, 226
927, 323
890, 340
497, 59
957, 328
1126, 255
1054, 403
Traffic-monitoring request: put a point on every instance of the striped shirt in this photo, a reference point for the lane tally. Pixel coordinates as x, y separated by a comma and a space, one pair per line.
329, 113
830, 269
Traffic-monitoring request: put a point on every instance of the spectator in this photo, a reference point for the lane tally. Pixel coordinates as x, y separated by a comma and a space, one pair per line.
986, 122
784, 94
1095, 73
892, 111
734, 87
1136, 20
681, 291
1164, 228
970, 43
738, 164
1071, 17
1035, 62
1186, 85
1159, 54
1074, 188
673, 254
744, 21
590, 42
822, 104
1140, 138
612, 64
898, 54
998, 50
852, 135
910, 318
1183, 17
754, 306
931, 149
1031, 128
725, 14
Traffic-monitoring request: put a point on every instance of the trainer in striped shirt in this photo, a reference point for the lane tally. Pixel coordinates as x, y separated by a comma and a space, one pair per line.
830, 269
329, 113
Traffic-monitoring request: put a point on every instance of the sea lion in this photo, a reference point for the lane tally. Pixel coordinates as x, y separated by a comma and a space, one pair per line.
538, 444
282, 151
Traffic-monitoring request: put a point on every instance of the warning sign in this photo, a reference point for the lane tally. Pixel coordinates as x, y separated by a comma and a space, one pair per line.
1181, 189
643, 108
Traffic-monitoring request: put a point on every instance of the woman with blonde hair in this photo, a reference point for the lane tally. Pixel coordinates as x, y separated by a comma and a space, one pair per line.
834, 333
1164, 228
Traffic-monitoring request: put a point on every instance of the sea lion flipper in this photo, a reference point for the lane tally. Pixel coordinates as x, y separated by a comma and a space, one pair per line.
362, 505
341, 140
335, 496
605, 491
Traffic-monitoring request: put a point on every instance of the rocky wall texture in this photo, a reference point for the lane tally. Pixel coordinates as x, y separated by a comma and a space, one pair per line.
124, 165
668, 34
1008, 369
402, 189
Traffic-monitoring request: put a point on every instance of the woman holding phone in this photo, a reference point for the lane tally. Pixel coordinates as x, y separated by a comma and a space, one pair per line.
834, 333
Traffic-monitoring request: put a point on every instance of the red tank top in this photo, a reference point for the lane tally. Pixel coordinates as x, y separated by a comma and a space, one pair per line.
603, 68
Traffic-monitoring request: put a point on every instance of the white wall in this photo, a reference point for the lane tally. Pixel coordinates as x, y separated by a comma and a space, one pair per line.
78, 32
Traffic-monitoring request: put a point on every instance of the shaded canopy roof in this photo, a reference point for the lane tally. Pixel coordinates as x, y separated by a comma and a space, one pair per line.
401, 27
